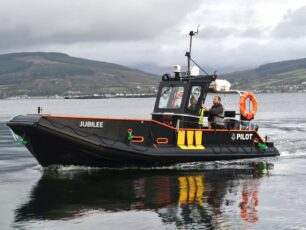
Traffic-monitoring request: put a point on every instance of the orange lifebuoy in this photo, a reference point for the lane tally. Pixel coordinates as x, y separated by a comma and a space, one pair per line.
243, 98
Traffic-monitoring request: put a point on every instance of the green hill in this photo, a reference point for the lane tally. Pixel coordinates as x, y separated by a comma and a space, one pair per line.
44, 74
279, 76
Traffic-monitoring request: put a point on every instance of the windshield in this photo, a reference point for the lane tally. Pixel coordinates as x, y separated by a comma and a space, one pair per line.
194, 98
171, 97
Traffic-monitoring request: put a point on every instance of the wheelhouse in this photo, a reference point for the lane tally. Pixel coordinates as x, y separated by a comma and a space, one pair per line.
179, 99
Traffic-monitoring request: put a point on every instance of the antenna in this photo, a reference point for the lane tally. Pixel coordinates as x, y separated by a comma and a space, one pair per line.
188, 54
197, 29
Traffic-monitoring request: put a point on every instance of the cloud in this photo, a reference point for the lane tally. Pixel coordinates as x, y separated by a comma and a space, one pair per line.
293, 24
233, 33
33, 22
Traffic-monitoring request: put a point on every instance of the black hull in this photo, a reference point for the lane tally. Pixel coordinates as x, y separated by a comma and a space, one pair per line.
54, 140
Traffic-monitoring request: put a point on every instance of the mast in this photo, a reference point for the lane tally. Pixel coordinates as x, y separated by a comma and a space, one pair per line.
188, 54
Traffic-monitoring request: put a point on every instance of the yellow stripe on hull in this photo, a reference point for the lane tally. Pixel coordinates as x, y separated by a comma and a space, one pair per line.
193, 137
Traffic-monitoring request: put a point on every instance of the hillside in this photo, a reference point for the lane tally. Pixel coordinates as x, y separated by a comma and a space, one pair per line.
44, 74
274, 77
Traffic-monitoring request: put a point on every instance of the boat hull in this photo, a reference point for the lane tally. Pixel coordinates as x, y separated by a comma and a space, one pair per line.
105, 142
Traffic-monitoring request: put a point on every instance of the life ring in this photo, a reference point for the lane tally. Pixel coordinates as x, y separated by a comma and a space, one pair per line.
243, 99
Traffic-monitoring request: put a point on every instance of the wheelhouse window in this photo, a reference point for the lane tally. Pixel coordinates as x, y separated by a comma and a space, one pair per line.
194, 97
171, 97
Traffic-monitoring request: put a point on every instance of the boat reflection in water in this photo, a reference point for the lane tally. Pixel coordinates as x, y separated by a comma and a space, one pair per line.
209, 197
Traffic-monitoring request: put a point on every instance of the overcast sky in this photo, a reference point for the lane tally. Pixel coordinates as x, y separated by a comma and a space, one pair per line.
233, 33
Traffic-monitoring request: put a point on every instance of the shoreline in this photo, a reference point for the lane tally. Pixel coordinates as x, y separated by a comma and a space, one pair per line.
114, 97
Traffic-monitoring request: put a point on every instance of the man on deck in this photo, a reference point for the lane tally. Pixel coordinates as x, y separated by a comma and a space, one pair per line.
215, 115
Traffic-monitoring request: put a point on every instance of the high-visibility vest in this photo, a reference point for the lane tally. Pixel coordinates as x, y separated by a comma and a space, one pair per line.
201, 113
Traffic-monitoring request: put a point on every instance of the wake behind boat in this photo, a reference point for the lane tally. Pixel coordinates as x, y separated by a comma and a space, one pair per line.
177, 132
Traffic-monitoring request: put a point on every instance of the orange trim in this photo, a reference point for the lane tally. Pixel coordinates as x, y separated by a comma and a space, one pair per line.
217, 130
98, 118
157, 122
162, 140
137, 139
163, 124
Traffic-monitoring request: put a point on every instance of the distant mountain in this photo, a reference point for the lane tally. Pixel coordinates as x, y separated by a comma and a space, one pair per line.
160, 70
279, 76
44, 74
154, 69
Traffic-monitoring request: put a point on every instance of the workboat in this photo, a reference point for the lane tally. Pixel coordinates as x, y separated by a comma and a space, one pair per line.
176, 133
